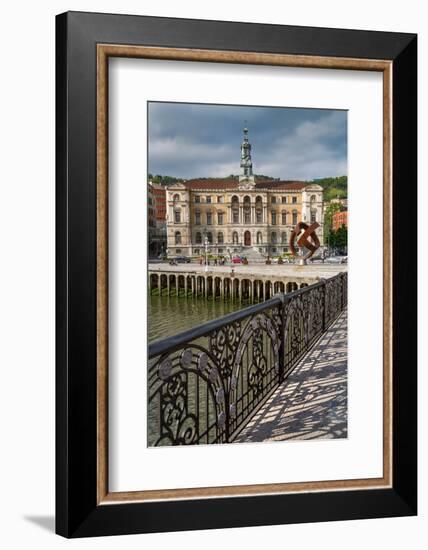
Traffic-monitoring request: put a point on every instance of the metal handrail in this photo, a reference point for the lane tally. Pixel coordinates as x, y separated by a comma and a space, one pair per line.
177, 340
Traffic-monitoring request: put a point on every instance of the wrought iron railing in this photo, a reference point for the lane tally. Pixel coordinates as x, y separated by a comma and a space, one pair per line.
204, 384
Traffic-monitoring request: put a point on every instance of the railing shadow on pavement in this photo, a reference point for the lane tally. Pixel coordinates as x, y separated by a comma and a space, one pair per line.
312, 404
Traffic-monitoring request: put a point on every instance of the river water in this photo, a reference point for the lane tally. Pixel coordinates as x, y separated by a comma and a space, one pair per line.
168, 315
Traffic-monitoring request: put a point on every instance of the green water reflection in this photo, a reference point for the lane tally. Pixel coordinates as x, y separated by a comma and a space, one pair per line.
168, 315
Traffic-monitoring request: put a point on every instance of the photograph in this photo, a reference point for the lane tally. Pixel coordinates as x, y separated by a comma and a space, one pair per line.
247, 248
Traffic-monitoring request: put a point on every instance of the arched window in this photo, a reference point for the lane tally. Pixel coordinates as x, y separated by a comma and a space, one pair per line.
294, 217
313, 198
198, 238
284, 237
259, 237
284, 217
235, 209
210, 237
235, 238
220, 238
273, 237
259, 209
247, 209
177, 237
176, 197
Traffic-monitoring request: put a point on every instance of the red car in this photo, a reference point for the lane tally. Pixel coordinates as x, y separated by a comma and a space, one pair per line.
236, 260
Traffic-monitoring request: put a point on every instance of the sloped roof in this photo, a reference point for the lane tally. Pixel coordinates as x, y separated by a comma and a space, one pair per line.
212, 183
224, 184
281, 185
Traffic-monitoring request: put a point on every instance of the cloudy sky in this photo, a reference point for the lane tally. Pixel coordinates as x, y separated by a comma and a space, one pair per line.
195, 140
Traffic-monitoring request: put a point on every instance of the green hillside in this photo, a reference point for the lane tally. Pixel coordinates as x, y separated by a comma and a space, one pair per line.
334, 187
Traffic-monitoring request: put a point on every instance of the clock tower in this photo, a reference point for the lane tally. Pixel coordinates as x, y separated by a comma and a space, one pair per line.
246, 178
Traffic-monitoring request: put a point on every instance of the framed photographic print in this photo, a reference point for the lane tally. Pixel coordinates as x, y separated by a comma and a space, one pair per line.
236, 285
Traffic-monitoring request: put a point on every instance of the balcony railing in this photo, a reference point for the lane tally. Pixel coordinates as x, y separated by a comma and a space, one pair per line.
204, 384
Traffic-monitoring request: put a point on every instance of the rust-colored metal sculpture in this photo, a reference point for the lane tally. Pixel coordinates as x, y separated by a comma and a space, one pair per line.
308, 239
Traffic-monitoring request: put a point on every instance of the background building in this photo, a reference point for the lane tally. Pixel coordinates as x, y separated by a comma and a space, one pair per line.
239, 215
156, 198
339, 219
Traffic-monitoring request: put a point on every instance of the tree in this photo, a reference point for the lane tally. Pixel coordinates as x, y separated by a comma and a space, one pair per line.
332, 208
339, 238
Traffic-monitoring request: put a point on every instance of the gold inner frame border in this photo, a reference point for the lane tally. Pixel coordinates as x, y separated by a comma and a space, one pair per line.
104, 52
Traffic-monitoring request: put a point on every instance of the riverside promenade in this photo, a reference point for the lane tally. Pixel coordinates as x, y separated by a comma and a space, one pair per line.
312, 402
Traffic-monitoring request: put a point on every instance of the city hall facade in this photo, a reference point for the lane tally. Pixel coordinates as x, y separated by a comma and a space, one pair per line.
237, 215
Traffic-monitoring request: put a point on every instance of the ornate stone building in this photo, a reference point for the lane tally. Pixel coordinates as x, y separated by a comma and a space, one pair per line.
238, 215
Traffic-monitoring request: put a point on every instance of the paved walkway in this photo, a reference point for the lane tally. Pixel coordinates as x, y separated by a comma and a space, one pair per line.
312, 402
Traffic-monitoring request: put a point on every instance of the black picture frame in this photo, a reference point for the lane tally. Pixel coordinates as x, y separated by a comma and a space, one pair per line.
77, 512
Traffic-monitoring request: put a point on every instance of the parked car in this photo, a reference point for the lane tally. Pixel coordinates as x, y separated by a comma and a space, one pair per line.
182, 260
237, 260
336, 260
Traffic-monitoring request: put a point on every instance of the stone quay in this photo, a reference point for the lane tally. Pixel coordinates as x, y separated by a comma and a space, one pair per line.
250, 283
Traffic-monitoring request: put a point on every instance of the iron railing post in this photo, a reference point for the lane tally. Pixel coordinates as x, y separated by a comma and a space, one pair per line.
281, 351
324, 307
344, 283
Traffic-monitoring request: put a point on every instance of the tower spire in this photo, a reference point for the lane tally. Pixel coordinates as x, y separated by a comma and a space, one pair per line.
246, 177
